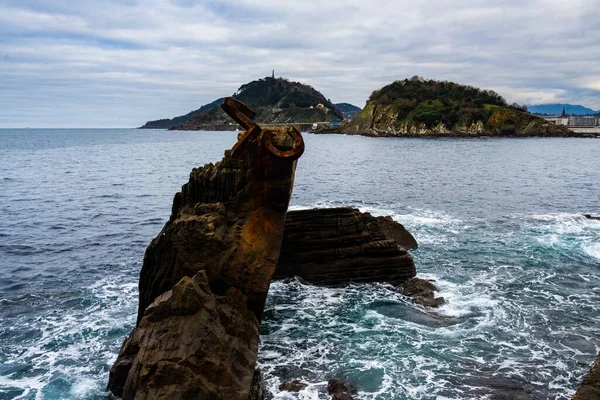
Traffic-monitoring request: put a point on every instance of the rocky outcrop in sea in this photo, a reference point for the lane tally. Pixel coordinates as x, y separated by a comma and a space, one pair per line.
383, 121
419, 107
335, 246
205, 277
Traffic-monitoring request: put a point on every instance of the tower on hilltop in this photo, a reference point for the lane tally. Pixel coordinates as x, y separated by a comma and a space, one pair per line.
273, 75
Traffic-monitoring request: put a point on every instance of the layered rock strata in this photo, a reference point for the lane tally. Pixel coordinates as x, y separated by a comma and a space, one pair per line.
335, 246
206, 275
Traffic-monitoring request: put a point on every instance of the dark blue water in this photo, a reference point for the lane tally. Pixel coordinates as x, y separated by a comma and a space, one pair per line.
497, 221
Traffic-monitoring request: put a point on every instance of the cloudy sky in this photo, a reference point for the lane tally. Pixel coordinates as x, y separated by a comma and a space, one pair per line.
108, 63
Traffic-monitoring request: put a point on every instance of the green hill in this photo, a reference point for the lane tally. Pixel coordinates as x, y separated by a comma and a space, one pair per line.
276, 101
415, 107
182, 119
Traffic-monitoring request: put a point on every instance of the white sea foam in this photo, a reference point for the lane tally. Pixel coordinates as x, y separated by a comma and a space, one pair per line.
592, 249
74, 344
462, 299
561, 224
477, 309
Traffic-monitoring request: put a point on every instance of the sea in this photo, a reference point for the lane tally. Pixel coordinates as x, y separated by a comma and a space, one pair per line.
498, 221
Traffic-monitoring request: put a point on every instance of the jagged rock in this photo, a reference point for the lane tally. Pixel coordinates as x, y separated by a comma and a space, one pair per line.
206, 275
422, 292
589, 216
339, 390
194, 344
336, 246
590, 386
293, 386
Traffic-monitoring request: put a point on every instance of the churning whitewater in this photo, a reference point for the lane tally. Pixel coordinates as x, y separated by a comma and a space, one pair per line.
499, 228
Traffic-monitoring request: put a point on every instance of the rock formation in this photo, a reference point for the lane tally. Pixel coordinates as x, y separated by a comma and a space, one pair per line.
589, 216
340, 245
590, 387
419, 107
295, 385
206, 275
382, 121
339, 390
422, 292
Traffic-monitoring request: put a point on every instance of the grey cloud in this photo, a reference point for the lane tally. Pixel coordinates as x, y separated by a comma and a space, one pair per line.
120, 63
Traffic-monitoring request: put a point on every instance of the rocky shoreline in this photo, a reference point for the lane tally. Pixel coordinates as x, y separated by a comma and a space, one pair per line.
206, 127
431, 134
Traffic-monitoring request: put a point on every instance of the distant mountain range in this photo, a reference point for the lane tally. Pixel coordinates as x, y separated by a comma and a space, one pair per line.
347, 109
553, 109
276, 101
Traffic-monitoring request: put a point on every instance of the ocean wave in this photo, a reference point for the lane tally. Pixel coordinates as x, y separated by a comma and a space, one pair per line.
69, 353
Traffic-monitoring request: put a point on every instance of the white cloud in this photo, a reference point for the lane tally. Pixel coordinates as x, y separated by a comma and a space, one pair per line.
127, 62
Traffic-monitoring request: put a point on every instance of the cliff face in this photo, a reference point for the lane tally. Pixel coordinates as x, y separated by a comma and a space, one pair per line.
381, 120
429, 108
340, 245
206, 275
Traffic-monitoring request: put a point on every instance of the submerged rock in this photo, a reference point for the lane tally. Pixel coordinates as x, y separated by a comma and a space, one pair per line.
336, 246
590, 386
206, 275
338, 389
422, 292
293, 386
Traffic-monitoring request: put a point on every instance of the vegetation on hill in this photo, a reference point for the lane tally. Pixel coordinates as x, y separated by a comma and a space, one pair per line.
182, 119
427, 107
276, 101
280, 93
433, 102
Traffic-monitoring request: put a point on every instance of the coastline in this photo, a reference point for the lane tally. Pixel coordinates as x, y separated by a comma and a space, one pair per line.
305, 128
433, 134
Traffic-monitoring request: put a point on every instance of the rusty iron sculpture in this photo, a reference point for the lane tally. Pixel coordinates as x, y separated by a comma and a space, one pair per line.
205, 277
243, 115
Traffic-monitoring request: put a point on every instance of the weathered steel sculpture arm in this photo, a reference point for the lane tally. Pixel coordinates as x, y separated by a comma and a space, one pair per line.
243, 115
